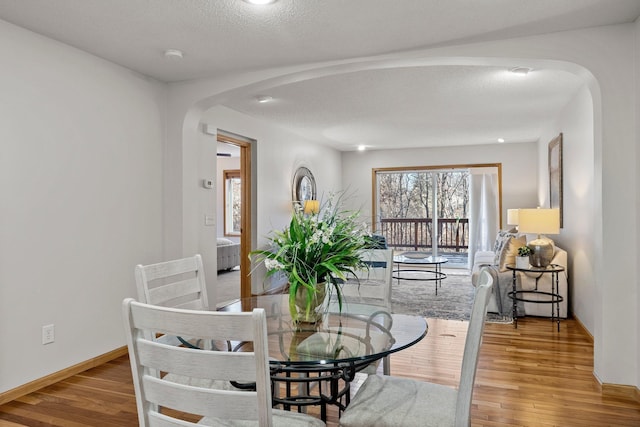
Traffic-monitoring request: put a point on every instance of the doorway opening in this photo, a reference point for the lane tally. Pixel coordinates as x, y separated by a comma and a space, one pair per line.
240, 207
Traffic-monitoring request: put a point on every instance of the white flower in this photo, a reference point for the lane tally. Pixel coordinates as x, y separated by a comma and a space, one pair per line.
316, 236
272, 264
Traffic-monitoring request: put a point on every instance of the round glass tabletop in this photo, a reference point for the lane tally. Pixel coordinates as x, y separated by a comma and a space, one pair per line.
359, 333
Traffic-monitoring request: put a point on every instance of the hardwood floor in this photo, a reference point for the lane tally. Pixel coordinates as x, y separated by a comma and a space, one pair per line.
530, 376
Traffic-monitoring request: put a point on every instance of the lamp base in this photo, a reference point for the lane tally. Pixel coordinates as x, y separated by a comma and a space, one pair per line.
542, 252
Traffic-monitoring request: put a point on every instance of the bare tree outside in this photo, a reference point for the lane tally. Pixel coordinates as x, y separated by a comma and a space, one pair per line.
395, 195
408, 194
453, 194
405, 208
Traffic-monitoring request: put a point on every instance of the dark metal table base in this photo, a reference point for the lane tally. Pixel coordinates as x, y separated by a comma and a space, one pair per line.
314, 386
438, 275
554, 297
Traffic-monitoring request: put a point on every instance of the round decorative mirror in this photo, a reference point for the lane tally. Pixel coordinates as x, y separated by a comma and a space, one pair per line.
304, 185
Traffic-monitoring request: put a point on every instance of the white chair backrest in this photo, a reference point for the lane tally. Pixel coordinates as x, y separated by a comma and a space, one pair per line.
148, 357
472, 348
178, 283
374, 283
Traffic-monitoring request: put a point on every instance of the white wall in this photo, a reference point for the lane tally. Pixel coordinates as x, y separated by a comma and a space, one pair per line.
519, 170
576, 124
279, 154
81, 184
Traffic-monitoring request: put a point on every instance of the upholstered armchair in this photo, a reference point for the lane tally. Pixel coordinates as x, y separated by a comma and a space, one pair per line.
505, 250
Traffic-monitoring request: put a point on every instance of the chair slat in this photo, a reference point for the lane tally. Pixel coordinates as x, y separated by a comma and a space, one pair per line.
173, 268
160, 295
240, 405
216, 325
189, 362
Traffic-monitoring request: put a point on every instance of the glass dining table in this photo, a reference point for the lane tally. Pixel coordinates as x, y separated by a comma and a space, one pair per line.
314, 364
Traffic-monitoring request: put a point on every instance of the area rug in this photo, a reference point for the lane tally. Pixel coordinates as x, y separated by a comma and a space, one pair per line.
227, 286
453, 302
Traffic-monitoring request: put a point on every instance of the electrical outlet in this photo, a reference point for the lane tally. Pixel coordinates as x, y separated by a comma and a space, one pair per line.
48, 334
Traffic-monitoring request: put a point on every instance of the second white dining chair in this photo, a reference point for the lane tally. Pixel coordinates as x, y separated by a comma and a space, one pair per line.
178, 283
391, 401
162, 402
370, 288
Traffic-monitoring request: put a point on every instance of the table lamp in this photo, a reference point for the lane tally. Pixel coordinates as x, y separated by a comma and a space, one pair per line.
311, 207
540, 221
513, 217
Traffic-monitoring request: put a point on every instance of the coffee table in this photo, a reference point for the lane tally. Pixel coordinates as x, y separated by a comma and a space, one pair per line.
433, 272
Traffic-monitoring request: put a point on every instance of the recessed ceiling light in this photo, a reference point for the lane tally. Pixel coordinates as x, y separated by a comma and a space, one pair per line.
173, 54
500, 140
260, 2
361, 148
264, 98
521, 71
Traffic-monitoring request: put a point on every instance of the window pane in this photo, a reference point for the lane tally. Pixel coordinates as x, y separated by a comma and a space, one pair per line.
232, 202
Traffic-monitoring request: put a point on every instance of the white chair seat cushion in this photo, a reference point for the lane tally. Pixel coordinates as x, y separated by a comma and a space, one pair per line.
392, 401
280, 419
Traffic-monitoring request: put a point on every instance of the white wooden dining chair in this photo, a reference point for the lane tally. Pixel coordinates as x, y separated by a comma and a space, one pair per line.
372, 285
198, 404
369, 289
178, 283
389, 401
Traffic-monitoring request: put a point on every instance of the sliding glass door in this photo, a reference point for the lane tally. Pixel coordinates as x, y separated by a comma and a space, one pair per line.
424, 210
449, 211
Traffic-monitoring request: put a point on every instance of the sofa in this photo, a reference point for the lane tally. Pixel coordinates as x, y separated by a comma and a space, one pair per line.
504, 252
228, 254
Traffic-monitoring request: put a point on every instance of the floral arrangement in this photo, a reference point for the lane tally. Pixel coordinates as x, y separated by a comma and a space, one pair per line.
524, 251
316, 248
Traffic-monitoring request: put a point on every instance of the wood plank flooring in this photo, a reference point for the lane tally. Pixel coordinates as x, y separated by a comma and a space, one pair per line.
530, 376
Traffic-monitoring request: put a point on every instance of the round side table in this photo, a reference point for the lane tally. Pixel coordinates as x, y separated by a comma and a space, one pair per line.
554, 298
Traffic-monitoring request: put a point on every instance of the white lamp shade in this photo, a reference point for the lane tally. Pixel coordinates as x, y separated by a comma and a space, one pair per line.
512, 216
539, 221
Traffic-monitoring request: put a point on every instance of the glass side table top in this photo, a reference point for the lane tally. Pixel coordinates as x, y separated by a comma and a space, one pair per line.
418, 258
551, 268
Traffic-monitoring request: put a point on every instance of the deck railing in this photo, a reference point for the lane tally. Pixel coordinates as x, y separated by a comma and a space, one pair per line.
415, 233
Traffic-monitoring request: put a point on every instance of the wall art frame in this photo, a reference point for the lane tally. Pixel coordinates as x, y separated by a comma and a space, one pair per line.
555, 175
304, 186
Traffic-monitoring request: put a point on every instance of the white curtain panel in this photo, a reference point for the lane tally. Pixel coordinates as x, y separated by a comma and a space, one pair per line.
483, 212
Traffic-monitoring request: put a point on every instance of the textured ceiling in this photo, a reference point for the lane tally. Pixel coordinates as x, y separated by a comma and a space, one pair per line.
417, 106
402, 107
